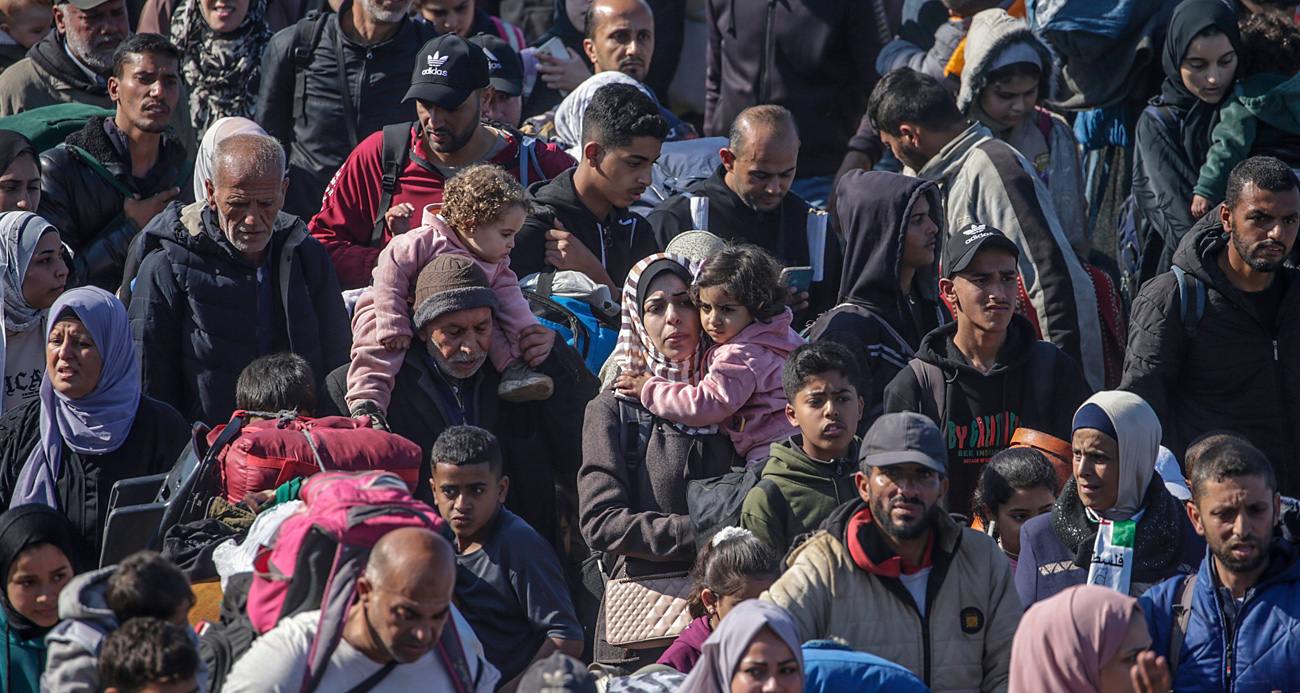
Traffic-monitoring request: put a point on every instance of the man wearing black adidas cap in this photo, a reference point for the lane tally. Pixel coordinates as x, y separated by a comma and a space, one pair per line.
394, 174
985, 374
890, 573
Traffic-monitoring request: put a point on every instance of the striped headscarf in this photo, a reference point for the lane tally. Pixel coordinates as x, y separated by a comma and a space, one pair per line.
635, 352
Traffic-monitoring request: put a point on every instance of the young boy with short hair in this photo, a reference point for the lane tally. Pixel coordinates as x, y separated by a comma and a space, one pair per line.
143, 585
276, 383
510, 585
149, 655
808, 475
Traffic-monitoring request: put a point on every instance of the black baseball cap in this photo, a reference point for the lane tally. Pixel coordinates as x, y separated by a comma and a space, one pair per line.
967, 242
447, 71
904, 437
505, 67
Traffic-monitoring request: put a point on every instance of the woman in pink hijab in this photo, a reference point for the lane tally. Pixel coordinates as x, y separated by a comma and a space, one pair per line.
1086, 639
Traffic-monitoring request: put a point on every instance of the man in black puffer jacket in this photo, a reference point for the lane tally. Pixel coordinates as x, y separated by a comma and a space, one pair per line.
1234, 364
92, 193
302, 100
229, 280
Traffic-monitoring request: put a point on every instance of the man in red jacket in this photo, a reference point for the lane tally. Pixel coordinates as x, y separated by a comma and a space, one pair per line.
450, 84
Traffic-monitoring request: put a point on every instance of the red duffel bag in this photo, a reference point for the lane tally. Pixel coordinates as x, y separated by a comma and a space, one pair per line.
268, 453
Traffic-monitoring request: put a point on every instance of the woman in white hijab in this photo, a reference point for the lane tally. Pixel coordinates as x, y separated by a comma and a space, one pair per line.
1115, 523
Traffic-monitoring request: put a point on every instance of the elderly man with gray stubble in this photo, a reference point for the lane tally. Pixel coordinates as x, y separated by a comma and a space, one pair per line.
229, 279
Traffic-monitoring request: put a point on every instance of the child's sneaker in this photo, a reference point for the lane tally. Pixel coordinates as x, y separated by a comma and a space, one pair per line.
519, 383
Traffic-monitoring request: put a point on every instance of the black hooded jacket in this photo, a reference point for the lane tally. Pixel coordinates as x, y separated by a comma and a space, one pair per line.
88, 210
1238, 373
783, 232
980, 411
874, 319
622, 239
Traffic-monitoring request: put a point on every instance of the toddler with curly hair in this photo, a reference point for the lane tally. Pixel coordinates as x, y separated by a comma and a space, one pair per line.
482, 210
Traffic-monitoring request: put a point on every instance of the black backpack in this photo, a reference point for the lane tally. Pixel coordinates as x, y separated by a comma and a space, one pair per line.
716, 503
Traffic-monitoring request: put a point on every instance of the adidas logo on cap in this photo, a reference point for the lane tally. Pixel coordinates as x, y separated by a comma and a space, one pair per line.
435, 65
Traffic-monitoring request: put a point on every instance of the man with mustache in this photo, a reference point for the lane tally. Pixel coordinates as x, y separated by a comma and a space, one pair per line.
1242, 632
230, 279
748, 198
447, 380
985, 374
1215, 343
111, 178
394, 174
321, 109
395, 636
73, 63
891, 574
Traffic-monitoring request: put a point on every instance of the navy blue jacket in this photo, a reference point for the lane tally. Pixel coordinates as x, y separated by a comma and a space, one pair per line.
194, 310
1262, 653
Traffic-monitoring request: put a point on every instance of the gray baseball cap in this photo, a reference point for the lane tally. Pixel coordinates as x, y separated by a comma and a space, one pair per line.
904, 437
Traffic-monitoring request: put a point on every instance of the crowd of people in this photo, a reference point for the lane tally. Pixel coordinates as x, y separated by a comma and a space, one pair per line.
649, 346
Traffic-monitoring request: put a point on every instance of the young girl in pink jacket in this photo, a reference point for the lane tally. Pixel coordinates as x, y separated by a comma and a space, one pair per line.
482, 210
742, 309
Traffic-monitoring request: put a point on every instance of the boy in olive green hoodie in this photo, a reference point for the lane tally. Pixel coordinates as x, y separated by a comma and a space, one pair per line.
812, 471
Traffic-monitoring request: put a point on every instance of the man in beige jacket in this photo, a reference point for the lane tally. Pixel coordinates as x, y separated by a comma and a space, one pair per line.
894, 576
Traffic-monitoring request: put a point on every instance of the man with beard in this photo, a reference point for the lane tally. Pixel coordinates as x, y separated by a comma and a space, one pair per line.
230, 279
1214, 344
332, 80
374, 195
73, 63
446, 380
111, 178
748, 198
392, 637
891, 574
1239, 629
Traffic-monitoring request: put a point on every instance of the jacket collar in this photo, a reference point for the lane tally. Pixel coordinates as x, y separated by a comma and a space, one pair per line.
872, 553
945, 532
949, 161
50, 55
94, 139
1159, 535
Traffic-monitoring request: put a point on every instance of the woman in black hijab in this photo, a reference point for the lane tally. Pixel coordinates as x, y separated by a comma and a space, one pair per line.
1173, 133
36, 543
20, 173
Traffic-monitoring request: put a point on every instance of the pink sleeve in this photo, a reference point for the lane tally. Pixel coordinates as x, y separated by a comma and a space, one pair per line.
513, 312
726, 388
399, 264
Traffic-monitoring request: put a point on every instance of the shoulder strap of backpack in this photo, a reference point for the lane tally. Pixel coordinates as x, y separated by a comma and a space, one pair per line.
780, 505
527, 160
699, 211
306, 35
817, 242
374, 679
1166, 116
393, 152
1191, 297
1044, 124
930, 378
98, 167
1182, 616
635, 427
453, 657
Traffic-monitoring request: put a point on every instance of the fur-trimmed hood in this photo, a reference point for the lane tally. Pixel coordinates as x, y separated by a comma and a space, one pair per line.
992, 33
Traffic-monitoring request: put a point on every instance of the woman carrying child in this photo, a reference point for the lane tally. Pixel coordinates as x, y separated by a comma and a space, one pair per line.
742, 307
482, 210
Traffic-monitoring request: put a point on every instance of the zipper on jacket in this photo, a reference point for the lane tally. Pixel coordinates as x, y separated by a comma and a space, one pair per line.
765, 72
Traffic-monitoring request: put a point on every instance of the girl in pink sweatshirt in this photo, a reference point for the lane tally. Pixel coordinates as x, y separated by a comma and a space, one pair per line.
482, 210
742, 309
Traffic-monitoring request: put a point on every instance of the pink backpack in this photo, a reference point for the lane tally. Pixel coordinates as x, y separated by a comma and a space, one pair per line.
320, 551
